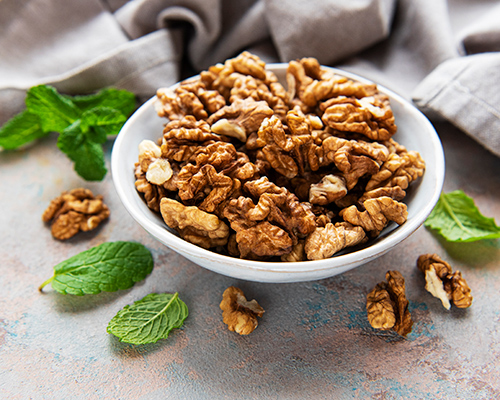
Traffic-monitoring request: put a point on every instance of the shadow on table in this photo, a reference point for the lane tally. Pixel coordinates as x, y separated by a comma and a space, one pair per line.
127, 350
474, 254
77, 304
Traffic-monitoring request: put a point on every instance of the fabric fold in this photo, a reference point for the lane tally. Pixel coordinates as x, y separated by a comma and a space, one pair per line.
456, 91
414, 47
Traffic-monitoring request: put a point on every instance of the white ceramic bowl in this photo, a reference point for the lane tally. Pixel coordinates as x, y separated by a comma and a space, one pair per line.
414, 131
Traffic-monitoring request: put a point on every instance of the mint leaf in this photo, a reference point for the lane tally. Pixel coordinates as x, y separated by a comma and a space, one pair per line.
121, 100
457, 219
56, 112
87, 155
108, 267
104, 121
89, 161
19, 130
149, 319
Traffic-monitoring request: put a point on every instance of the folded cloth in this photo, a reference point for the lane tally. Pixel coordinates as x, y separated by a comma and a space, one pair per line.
465, 92
443, 54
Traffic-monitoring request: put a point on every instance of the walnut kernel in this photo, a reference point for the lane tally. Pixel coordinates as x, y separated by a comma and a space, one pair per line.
74, 211
387, 306
444, 284
239, 314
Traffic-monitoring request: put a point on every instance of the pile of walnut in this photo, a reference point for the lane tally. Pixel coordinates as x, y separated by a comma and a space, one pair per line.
252, 170
75, 211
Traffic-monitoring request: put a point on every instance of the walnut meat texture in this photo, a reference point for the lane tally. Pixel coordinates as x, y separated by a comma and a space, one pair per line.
239, 314
444, 284
378, 212
194, 225
272, 223
325, 241
387, 306
370, 116
75, 211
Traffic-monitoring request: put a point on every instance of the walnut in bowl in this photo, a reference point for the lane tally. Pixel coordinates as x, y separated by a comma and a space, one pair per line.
279, 172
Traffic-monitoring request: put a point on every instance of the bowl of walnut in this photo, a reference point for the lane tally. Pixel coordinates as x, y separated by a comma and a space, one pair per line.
279, 172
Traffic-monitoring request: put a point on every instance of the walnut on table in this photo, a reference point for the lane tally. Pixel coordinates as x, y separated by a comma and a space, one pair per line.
75, 211
239, 314
387, 306
443, 283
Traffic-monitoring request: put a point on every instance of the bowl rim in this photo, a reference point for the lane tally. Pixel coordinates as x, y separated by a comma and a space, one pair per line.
341, 261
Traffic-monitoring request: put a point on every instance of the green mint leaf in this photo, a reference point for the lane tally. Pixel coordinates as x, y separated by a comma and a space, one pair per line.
87, 155
108, 267
121, 100
104, 121
56, 112
457, 219
89, 162
19, 130
71, 138
149, 319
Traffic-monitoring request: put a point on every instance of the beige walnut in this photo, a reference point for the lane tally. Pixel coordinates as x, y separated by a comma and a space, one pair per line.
194, 225
370, 116
325, 241
75, 211
190, 97
240, 119
184, 137
387, 306
353, 158
443, 283
378, 212
221, 77
330, 188
400, 169
239, 314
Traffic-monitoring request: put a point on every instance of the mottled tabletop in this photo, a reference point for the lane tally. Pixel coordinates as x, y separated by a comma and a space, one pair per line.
313, 342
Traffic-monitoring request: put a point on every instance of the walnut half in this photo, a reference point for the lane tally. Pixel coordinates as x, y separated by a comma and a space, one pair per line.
239, 314
387, 305
444, 284
75, 211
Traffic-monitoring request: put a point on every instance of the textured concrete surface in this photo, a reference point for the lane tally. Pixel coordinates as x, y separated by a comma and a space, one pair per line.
313, 342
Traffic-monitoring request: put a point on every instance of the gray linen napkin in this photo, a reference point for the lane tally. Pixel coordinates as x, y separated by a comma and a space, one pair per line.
419, 48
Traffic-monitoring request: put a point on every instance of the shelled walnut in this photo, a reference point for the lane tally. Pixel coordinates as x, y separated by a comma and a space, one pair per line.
387, 306
75, 211
239, 314
294, 174
444, 284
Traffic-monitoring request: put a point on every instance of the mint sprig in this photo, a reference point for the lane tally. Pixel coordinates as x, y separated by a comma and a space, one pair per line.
149, 319
87, 119
457, 219
109, 267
